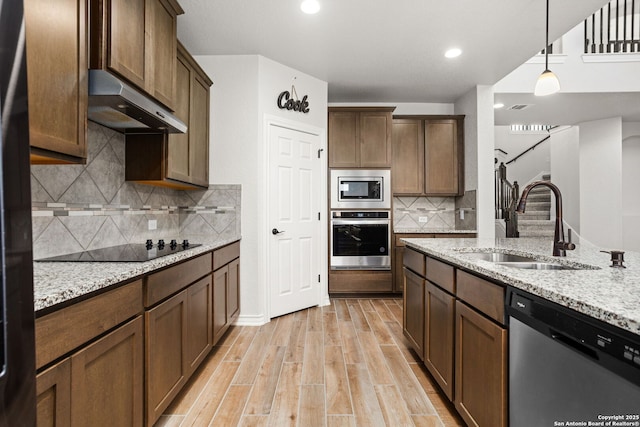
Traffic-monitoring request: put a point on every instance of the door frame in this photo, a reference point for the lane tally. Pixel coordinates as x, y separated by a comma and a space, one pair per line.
264, 262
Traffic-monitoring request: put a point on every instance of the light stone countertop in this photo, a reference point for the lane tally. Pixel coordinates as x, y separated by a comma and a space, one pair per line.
431, 231
608, 294
58, 282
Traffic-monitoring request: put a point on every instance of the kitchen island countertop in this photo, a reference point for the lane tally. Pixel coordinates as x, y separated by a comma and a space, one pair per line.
597, 290
397, 230
58, 282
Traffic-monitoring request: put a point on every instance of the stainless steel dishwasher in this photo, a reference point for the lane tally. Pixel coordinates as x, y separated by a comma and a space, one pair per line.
566, 368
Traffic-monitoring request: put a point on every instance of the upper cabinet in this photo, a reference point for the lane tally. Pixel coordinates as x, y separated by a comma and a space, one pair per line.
176, 160
57, 53
137, 40
360, 137
428, 155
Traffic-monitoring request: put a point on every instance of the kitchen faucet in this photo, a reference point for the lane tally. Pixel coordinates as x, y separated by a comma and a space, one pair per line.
559, 245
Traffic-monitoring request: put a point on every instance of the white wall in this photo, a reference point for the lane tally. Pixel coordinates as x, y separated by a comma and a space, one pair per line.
404, 108
565, 172
528, 167
601, 182
477, 106
630, 185
245, 88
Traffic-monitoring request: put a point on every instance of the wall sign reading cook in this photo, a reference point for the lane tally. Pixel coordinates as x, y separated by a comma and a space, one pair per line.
286, 102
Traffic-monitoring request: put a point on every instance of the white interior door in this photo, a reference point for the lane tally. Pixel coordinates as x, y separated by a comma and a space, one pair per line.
294, 204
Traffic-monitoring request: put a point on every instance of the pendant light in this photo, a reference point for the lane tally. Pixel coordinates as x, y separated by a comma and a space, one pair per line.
547, 83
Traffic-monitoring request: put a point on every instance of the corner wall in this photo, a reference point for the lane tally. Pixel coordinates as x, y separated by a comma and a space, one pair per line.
245, 89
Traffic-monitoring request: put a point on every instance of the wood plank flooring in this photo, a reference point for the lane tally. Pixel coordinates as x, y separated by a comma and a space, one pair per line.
346, 364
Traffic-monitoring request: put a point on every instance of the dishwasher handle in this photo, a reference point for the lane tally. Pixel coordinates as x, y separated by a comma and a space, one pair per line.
574, 344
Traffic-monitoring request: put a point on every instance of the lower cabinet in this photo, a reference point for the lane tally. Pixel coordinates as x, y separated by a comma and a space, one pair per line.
455, 321
166, 367
100, 385
226, 298
438, 336
481, 369
199, 319
414, 310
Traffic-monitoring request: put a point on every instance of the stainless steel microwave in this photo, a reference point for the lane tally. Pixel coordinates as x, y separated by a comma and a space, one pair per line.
360, 189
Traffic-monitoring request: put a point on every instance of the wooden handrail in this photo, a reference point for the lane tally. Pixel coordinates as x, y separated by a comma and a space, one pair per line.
528, 149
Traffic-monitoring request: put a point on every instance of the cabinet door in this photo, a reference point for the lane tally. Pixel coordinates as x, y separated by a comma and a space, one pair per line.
220, 280
438, 336
199, 132
127, 45
344, 139
199, 321
408, 156
178, 143
233, 291
481, 369
375, 139
57, 63
442, 158
162, 22
166, 367
53, 389
106, 379
414, 310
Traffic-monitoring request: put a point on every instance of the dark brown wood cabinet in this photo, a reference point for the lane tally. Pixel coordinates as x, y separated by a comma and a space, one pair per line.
481, 369
438, 336
137, 40
226, 289
115, 360
176, 160
53, 390
414, 310
57, 63
166, 343
428, 155
199, 321
359, 137
464, 341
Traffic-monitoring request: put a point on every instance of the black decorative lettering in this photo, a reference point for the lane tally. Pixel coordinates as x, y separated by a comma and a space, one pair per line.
286, 103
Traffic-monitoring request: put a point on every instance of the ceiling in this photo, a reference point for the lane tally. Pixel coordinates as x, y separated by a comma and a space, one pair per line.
381, 50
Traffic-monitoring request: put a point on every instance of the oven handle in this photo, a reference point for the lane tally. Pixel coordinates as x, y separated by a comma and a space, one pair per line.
359, 221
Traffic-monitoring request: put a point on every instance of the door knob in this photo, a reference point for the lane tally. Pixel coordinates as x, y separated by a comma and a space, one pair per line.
275, 231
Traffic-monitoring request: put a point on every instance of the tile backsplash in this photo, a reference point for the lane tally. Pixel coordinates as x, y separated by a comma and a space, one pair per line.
426, 214
80, 207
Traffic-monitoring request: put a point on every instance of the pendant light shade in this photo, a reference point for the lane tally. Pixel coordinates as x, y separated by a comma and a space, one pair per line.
548, 82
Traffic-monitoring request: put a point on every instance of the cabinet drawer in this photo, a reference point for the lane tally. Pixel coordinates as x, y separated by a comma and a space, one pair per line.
167, 282
225, 255
481, 294
414, 260
441, 274
58, 333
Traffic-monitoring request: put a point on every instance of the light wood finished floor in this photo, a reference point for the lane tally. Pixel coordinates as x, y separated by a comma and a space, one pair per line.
346, 364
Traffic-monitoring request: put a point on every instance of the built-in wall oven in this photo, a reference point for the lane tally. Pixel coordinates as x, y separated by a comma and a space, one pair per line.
360, 240
360, 189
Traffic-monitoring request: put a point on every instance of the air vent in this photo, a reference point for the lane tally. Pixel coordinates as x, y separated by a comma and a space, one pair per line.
519, 106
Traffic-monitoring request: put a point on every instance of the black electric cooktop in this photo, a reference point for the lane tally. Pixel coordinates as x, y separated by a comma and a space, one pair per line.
132, 252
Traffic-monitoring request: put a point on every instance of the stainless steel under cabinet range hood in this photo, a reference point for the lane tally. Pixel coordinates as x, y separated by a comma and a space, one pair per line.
116, 105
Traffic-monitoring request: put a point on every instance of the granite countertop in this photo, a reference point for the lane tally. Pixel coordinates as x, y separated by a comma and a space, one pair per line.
598, 290
431, 231
57, 282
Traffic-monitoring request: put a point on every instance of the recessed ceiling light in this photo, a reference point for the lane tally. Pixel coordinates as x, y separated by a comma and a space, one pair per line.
453, 53
498, 105
310, 6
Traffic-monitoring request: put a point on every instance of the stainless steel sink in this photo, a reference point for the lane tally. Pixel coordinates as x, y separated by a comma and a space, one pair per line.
498, 257
537, 265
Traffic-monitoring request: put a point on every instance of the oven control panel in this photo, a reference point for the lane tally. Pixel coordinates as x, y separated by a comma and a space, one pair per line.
360, 214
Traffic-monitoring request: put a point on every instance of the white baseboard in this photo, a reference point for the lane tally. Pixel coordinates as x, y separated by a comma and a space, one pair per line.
251, 320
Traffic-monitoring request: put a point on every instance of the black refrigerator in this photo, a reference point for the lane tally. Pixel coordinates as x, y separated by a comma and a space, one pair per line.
17, 343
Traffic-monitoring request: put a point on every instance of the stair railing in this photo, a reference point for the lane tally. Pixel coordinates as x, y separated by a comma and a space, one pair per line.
507, 195
614, 28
